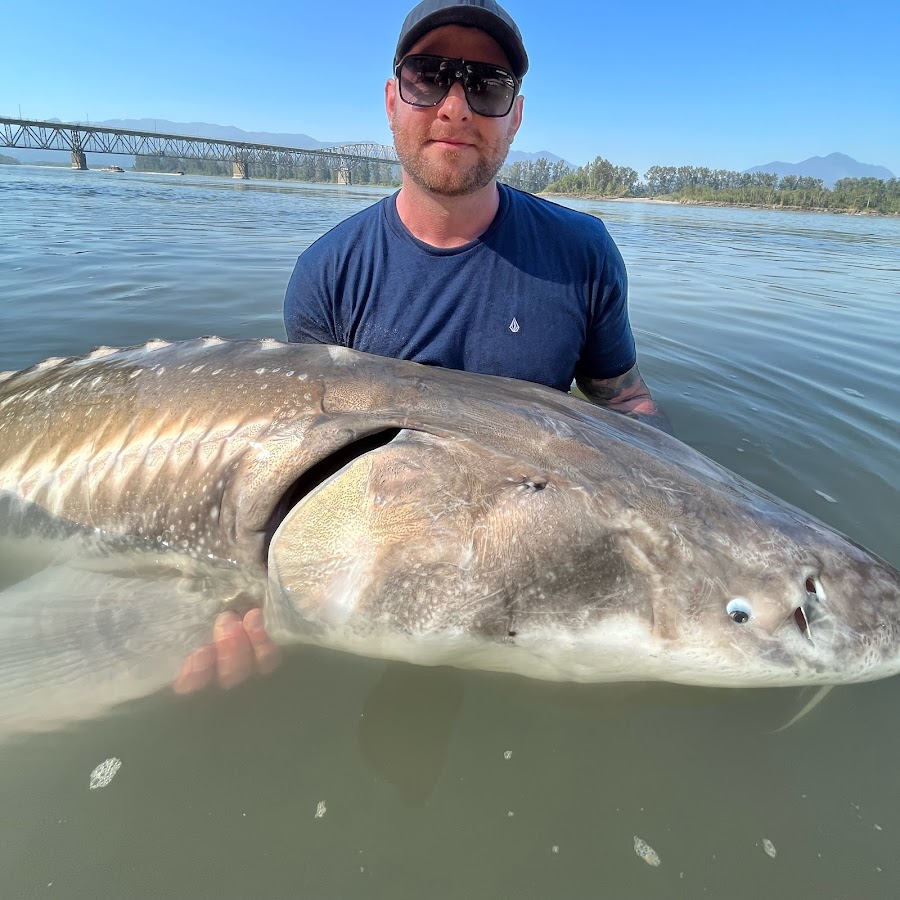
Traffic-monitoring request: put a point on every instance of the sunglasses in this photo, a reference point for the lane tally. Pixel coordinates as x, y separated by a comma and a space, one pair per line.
426, 81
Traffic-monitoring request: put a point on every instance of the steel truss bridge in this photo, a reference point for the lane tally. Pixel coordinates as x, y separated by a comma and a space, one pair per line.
80, 139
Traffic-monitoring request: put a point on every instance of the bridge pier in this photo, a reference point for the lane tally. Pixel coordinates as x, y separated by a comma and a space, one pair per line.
344, 175
79, 161
240, 169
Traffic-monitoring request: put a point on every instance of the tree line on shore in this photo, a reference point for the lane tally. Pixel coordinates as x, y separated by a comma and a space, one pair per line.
599, 178
318, 169
698, 184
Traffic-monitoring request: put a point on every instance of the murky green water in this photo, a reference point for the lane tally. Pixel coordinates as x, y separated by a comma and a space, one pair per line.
773, 341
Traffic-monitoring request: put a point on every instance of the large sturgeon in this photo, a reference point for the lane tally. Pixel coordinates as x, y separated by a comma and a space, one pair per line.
396, 510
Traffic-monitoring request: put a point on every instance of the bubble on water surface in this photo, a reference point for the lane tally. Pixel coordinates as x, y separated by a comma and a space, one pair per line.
827, 497
105, 772
646, 852
320, 809
507, 754
769, 847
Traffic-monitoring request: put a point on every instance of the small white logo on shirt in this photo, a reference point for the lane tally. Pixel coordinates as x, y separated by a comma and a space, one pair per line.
514, 326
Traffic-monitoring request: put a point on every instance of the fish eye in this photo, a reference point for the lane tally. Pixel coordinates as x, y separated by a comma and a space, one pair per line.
739, 610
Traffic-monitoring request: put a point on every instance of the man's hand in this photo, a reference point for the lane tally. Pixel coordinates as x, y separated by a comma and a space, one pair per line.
240, 648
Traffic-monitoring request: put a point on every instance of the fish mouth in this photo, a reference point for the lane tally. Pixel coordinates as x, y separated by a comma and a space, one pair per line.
321, 472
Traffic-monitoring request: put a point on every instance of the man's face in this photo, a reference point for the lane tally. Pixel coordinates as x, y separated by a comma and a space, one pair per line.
447, 149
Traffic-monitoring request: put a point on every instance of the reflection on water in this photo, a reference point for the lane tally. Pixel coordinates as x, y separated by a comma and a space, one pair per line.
771, 339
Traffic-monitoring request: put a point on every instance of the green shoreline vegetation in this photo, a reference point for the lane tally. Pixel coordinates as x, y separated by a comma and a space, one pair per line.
315, 170
601, 179
598, 180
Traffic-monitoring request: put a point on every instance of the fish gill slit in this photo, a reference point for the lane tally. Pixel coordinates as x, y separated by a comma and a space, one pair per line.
318, 473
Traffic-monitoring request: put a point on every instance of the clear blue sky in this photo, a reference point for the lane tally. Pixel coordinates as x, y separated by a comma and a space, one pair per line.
726, 85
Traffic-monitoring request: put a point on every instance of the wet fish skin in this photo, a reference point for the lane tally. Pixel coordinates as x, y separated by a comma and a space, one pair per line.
397, 510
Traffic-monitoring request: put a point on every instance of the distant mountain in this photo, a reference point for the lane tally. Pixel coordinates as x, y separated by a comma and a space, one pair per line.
522, 156
829, 168
222, 133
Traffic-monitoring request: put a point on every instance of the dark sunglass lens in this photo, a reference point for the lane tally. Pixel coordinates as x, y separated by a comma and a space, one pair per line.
423, 80
489, 90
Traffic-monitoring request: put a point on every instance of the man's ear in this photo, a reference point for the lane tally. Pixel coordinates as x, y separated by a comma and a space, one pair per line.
390, 98
516, 120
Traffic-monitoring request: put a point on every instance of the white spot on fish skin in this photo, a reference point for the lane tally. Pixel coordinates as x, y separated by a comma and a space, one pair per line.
261, 371
212, 341
105, 772
196, 369
320, 809
646, 852
160, 370
769, 847
157, 344
270, 344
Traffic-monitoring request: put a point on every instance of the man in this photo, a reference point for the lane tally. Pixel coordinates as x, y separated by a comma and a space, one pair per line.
455, 270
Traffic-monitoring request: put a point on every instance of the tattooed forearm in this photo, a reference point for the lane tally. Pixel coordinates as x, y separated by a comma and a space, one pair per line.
627, 394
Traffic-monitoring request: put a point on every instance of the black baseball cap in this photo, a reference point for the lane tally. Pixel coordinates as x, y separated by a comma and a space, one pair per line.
485, 15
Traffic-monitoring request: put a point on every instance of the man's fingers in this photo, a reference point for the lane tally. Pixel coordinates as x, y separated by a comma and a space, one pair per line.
265, 651
240, 647
233, 650
198, 671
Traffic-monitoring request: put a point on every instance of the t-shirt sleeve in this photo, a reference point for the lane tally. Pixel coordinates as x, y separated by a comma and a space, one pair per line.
308, 302
609, 346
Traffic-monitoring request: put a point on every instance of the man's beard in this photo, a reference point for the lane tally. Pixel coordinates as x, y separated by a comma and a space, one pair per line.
437, 177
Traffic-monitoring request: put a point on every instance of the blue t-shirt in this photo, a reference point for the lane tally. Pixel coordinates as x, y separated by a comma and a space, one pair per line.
540, 296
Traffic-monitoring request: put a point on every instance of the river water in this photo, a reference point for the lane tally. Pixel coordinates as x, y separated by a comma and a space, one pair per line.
772, 340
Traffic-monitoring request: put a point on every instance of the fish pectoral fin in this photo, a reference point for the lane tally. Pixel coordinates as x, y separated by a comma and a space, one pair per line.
77, 640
